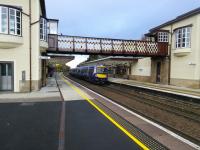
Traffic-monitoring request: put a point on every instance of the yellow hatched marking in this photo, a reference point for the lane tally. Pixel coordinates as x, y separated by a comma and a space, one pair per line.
81, 93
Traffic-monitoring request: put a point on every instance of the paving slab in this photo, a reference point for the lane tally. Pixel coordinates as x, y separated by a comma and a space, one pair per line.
48, 93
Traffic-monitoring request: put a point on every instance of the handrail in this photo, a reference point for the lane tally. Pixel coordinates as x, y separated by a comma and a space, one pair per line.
108, 46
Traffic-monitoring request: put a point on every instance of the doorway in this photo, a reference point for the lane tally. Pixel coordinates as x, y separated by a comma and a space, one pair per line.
6, 76
158, 72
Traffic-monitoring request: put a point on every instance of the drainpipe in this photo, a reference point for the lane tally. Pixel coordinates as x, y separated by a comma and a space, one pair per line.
30, 44
169, 57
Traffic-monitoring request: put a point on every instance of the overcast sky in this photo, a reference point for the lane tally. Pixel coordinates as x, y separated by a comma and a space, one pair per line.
127, 19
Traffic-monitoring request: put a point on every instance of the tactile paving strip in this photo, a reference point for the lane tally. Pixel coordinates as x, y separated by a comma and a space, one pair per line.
135, 131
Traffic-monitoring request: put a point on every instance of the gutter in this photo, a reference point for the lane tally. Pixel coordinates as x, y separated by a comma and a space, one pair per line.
30, 46
169, 57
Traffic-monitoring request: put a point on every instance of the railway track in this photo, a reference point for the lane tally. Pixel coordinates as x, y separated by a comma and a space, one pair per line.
180, 116
187, 110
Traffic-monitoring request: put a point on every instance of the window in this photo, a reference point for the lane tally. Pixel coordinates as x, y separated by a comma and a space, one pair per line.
91, 71
162, 37
101, 70
4, 20
43, 29
183, 37
10, 21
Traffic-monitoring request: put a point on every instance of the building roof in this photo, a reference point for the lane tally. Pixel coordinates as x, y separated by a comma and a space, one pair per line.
113, 58
179, 18
43, 8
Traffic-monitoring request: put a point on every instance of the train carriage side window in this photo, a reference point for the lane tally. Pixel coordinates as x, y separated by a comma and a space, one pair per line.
91, 70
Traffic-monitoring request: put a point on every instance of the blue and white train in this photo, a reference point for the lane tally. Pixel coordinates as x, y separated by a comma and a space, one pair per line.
95, 74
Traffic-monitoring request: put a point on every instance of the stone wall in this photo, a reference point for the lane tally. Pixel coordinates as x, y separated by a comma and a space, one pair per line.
186, 83
140, 78
25, 85
164, 70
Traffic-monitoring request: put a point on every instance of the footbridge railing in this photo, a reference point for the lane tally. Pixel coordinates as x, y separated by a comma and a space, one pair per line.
105, 46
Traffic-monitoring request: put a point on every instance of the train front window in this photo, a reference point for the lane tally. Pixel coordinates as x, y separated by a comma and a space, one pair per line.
102, 70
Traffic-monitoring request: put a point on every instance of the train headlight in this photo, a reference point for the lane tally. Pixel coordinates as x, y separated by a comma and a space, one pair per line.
101, 76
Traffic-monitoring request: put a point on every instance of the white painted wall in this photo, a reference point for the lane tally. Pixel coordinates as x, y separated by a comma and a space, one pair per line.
20, 54
185, 62
142, 67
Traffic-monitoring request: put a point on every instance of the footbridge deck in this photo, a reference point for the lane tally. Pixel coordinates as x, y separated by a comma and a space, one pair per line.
63, 44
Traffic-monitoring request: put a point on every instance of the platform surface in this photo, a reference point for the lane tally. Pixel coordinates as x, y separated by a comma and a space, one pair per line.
36, 126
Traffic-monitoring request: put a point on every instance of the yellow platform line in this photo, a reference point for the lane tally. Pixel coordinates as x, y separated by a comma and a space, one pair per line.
81, 93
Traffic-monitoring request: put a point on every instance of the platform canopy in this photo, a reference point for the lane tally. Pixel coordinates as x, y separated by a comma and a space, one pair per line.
111, 61
59, 58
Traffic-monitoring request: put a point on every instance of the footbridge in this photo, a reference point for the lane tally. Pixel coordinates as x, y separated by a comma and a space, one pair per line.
63, 44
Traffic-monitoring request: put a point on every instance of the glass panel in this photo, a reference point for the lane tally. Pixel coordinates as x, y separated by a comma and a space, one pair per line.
18, 14
15, 21
12, 21
9, 69
3, 69
183, 44
18, 26
18, 32
101, 70
43, 29
4, 20
162, 37
12, 12
183, 37
18, 20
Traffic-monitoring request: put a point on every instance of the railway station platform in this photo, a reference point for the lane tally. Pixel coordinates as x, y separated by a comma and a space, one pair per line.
92, 118
48, 93
80, 120
182, 91
85, 127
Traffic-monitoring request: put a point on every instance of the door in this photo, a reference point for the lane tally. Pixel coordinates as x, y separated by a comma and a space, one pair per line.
6, 76
158, 72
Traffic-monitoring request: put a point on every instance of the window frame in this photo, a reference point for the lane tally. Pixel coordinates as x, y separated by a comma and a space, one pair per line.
183, 37
163, 36
43, 29
8, 20
1, 14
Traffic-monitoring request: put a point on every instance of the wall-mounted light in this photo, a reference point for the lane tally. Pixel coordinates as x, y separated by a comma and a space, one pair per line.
45, 57
191, 63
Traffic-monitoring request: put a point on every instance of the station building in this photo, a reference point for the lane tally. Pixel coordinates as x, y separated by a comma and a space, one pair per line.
24, 29
182, 65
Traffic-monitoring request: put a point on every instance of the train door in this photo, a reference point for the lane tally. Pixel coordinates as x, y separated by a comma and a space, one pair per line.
6, 76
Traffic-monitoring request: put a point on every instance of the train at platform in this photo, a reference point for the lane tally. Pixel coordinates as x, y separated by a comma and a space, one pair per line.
94, 74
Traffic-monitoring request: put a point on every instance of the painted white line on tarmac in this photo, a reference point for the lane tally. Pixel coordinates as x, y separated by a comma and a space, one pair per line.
145, 119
